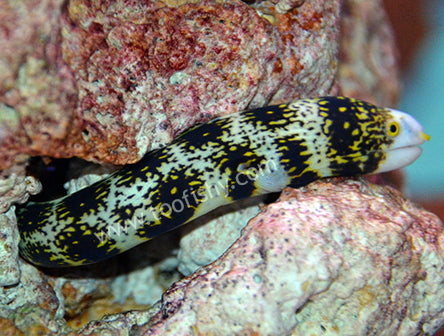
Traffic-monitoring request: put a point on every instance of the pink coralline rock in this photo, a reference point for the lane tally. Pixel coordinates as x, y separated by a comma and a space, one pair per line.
338, 257
367, 60
109, 80
37, 89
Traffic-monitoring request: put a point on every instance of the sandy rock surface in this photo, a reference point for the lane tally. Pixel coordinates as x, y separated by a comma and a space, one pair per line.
340, 257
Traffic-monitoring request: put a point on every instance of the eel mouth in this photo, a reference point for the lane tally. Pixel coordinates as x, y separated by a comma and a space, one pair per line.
400, 157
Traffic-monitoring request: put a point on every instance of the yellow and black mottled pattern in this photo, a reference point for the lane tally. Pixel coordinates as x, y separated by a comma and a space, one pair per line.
227, 159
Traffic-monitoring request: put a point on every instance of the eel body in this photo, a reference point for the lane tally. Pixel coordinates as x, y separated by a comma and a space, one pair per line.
230, 158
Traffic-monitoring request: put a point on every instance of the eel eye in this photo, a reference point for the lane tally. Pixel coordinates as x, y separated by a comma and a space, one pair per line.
393, 129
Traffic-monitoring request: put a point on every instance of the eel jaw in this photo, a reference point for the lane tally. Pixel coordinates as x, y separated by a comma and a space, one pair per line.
399, 158
405, 148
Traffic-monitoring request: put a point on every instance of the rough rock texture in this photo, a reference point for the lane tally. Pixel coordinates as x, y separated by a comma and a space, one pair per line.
367, 61
343, 258
202, 244
34, 294
37, 89
339, 257
14, 187
121, 78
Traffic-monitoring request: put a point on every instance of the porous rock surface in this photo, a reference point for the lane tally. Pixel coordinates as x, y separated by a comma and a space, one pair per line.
14, 187
367, 60
337, 257
201, 244
109, 80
